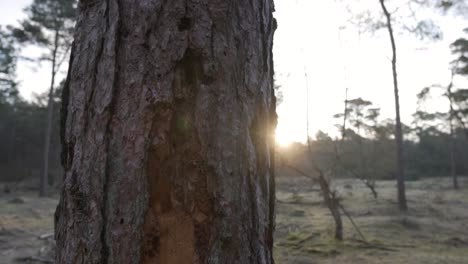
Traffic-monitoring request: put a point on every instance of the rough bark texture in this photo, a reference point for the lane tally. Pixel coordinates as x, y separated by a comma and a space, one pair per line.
167, 124
398, 130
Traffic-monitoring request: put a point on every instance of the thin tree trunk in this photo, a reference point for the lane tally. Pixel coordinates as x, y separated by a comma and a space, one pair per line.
453, 169
345, 116
398, 130
329, 197
50, 111
362, 170
333, 204
169, 112
307, 110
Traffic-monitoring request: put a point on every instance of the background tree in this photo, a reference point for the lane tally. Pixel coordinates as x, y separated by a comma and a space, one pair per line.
447, 119
356, 113
456, 7
460, 49
8, 96
8, 59
402, 17
49, 25
363, 117
21, 140
398, 130
460, 100
460, 66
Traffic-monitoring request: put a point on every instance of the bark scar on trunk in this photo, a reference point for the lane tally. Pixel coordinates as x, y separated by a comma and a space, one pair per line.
178, 223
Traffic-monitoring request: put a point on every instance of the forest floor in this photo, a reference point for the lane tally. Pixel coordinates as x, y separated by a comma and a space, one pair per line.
26, 226
435, 229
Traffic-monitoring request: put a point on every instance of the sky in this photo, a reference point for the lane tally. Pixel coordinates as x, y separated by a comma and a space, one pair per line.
33, 77
314, 39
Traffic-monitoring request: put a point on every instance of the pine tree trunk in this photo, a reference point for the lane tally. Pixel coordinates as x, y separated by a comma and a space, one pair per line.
50, 114
167, 122
453, 165
398, 130
45, 165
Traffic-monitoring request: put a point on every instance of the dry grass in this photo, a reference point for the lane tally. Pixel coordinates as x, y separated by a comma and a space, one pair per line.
23, 219
435, 230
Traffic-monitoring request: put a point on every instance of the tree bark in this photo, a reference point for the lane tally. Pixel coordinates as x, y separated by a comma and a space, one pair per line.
398, 130
167, 122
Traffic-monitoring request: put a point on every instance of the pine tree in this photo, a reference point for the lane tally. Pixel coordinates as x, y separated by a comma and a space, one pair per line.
8, 58
49, 25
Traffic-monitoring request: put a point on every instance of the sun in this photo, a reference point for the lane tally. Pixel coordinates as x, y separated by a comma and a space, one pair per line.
283, 138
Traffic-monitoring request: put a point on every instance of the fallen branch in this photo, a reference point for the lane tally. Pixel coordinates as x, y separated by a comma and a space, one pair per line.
34, 258
332, 202
46, 236
330, 199
300, 172
358, 230
356, 175
368, 245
